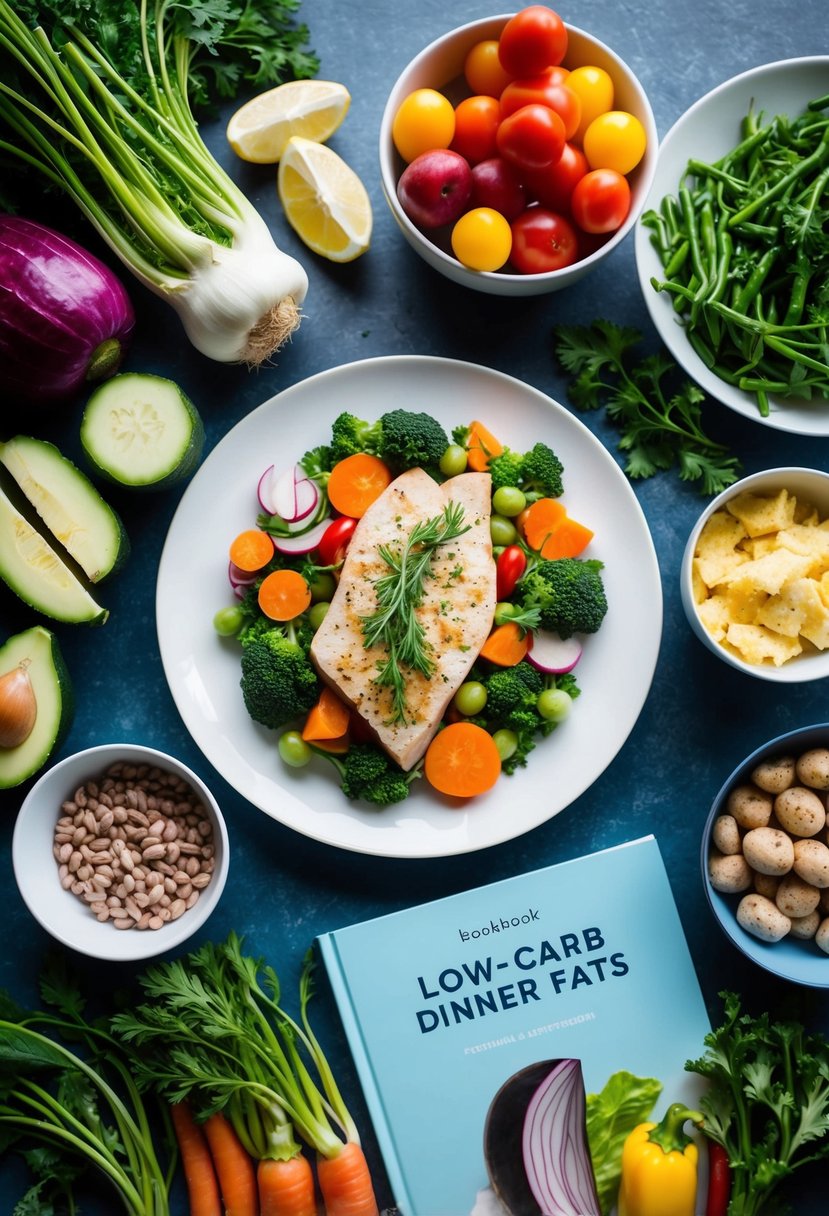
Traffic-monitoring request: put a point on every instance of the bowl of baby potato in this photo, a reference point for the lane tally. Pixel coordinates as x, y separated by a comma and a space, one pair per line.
765, 856
755, 575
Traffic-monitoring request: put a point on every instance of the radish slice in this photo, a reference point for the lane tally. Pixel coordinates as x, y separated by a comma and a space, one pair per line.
240, 580
263, 491
291, 495
302, 542
554, 655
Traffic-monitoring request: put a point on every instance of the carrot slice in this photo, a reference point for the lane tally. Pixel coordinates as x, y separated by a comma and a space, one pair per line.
328, 719
507, 645
251, 550
335, 747
540, 519
286, 1188
481, 445
462, 760
346, 1183
356, 482
567, 539
283, 594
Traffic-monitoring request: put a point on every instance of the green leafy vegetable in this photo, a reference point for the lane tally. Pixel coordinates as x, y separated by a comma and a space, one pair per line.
745, 249
624, 1102
767, 1103
660, 425
367, 774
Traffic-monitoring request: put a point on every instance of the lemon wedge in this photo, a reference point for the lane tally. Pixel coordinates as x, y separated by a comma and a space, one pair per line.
260, 129
324, 200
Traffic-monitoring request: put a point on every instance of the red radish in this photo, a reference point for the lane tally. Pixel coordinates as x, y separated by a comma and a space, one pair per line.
240, 580
302, 542
554, 655
290, 495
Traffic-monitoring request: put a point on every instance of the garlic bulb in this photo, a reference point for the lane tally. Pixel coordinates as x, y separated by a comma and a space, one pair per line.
18, 706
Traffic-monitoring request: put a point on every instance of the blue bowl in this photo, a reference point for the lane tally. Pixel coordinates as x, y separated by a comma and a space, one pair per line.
801, 962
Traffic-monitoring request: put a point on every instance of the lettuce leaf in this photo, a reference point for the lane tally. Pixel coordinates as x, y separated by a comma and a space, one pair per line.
624, 1103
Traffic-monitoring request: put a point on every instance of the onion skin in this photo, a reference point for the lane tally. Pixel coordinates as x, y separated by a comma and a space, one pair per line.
66, 320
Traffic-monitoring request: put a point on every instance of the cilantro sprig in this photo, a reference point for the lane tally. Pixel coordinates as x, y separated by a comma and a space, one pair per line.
660, 420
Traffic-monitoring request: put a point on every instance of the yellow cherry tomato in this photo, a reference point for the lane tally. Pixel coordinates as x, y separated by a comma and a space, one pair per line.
615, 140
424, 120
482, 239
594, 88
483, 71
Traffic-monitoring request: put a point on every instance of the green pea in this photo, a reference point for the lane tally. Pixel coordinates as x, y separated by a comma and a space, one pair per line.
453, 460
293, 749
504, 612
470, 698
228, 621
317, 614
554, 704
323, 586
507, 743
502, 530
508, 500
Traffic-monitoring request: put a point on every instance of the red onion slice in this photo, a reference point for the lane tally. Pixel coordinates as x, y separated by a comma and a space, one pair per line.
554, 1144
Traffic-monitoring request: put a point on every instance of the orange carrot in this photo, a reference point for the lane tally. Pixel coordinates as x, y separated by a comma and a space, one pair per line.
251, 550
346, 1184
234, 1168
506, 645
567, 539
336, 747
196, 1162
462, 760
286, 1188
356, 482
480, 445
540, 519
283, 595
328, 719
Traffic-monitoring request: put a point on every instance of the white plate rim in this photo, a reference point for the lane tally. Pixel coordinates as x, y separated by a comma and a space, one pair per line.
801, 418
423, 826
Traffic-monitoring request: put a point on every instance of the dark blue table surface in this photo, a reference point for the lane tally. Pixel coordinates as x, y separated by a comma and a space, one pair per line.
701, 717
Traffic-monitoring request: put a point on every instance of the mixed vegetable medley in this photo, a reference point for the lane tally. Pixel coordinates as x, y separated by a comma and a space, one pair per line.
285, 573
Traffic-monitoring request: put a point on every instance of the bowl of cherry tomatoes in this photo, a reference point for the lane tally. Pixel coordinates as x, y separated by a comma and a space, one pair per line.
516, 152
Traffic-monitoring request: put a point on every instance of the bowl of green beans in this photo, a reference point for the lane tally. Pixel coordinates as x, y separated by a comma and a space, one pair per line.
731, 248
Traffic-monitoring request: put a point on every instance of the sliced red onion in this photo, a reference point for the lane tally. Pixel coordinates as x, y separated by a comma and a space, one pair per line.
554, 1145
302, 542
554, 655
65, 318
239, 579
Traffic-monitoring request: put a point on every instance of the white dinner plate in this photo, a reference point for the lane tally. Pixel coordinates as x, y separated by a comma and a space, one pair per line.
707, 131
614, 673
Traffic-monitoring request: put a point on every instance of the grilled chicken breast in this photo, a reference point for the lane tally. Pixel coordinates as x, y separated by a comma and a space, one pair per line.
456, 611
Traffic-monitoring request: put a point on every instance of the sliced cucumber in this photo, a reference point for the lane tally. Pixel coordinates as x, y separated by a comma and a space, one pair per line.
39, 575
142, 431
38, 651
69, 505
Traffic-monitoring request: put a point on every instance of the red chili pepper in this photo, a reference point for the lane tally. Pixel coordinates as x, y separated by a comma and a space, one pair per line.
509, 567
335, 540
719, 1180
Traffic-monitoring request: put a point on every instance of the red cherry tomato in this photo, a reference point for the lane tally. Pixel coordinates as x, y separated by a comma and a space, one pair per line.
509, 567
600, 202
476, 123
335, 540
531, 138
547, 89
532, 40
542, 241
553, 186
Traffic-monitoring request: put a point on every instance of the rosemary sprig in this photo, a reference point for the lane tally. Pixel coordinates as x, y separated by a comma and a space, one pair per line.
394, 624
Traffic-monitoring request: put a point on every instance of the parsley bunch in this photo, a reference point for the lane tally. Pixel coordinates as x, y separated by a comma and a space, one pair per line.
660, 423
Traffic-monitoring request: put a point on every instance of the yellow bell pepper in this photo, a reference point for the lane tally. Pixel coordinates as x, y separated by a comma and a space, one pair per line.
659, 1167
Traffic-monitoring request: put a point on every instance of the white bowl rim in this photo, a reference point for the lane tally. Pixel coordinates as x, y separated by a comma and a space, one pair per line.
172, 934
496, 276
795, 672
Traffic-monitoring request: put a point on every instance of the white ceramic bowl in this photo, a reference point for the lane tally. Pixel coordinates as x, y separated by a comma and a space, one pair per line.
707, 131
439, 66
808, 485
64, 914
800, 962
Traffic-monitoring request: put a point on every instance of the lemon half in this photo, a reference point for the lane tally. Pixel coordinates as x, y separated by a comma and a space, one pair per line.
324, 200
260, 129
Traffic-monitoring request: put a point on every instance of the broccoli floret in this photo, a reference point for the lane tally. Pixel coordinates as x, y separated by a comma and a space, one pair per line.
278, 682
411, 440
509, 689
367, 774
350, 435
568, 593
505, 469
541, 473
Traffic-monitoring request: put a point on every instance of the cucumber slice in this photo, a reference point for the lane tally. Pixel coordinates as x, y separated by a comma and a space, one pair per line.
69, 505
38, 650
142, 431
37, 573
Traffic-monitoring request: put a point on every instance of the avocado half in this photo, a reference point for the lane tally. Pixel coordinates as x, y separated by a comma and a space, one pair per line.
37, 649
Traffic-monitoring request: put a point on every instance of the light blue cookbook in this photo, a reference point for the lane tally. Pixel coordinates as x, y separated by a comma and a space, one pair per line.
444, 1002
